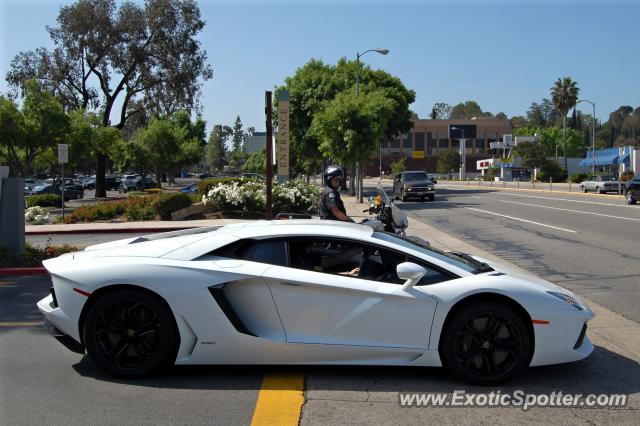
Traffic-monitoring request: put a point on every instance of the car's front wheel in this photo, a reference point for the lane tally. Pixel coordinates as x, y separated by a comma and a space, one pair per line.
629, 197
485, 343
130, 334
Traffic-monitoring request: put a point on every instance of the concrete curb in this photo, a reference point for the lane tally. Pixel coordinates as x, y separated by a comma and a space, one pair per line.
109, 231
23, 271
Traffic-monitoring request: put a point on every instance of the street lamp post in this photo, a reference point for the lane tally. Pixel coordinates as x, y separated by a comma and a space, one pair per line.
359, 164
462, 152
593, 136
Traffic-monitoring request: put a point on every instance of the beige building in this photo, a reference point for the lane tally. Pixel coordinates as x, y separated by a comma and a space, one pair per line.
422, 144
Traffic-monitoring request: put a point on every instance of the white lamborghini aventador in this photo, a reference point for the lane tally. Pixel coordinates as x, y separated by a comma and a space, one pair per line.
306, 292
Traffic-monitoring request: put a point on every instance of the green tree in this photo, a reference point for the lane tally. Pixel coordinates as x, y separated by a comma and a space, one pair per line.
518, 121
564, 95
551, 137
398, 166
30, 132
116, 61
440, 111
350, 126
316, 83
256, 163
449, 161
502, 116
531, 154
466, 110
216, 151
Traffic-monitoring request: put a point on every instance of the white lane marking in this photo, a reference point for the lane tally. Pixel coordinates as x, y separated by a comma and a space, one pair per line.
565, 199
522, 220
475, 196
570, 210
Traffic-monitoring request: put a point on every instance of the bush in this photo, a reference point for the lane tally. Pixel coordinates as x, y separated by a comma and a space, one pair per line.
44, 200
167, 203
399, 166
626, 175
94, 212
36, 215
206, 185
139, 209
250, 196
551, 170
32, 256
578, 177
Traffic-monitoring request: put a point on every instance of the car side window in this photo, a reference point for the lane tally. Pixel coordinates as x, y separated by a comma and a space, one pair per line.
346, 258
272, 252
434, 274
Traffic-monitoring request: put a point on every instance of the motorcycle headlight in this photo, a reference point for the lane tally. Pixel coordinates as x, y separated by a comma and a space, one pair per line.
567, 299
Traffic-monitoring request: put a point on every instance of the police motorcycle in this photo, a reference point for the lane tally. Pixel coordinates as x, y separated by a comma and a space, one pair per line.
386, 215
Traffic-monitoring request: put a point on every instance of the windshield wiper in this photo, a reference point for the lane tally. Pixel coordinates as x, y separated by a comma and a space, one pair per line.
482, 266
482, 269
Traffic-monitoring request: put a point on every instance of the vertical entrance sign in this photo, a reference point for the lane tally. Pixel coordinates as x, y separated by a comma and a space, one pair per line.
63, 158
269, 151
282, 150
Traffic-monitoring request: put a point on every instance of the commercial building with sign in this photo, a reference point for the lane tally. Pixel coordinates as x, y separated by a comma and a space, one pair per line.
428, 138
255, 143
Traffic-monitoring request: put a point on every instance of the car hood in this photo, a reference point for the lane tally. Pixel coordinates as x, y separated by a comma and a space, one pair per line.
523, 276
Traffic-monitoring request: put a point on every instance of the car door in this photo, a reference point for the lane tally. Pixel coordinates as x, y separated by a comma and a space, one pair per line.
317, 305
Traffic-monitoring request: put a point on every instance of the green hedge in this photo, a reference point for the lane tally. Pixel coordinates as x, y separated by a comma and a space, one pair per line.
32, 256
578, 177
44, 200
205, 186
167, 203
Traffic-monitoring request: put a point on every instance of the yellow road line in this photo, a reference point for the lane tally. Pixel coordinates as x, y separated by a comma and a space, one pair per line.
21, 324
280, 400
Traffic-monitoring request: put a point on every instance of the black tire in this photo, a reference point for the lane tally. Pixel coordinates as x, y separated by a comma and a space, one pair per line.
78, 196
629, 197
130, 334
598, 190
485, 344
583, 188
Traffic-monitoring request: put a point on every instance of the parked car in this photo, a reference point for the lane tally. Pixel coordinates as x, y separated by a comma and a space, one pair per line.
632, 190
273, 293
205, 176
601, 184
111, 183
88, 182
190, 189
31, 183
256, 176
71, 192
413, 184
134, 183
434, 178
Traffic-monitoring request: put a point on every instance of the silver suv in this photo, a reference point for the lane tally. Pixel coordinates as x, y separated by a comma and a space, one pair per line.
413, 184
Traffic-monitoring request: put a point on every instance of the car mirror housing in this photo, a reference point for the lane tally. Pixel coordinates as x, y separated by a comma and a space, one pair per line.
411, 273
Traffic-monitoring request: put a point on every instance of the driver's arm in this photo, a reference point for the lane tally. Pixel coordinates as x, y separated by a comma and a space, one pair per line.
339, 215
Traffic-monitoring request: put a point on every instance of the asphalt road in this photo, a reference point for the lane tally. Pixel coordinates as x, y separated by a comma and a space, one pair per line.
589, 244
41, 382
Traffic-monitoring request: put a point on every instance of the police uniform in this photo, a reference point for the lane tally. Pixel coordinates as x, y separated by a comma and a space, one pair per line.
330, 198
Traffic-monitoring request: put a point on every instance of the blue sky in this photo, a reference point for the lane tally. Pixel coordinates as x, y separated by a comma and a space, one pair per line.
502, 54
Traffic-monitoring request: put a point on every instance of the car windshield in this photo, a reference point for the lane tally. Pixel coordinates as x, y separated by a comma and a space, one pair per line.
608, 177
415, 176
452, 259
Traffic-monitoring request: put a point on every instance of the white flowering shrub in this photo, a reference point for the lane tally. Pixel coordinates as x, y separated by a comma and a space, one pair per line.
36, 216
251, 196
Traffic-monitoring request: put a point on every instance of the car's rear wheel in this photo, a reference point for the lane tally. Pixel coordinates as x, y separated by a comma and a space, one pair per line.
485, 343
629, 197
598, 190
130, 334
583, 188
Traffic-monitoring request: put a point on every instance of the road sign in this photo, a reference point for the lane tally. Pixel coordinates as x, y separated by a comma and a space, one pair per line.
282, 148
418, 154
63, 153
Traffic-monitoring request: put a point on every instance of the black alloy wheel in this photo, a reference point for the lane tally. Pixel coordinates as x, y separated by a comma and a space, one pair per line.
130, 334
486, 344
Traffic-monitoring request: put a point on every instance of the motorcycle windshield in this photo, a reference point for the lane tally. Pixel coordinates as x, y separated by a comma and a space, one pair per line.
383, 196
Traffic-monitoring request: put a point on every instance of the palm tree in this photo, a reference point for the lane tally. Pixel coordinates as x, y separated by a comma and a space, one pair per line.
564, 95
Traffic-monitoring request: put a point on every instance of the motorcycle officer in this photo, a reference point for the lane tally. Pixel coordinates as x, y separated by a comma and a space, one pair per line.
331, 206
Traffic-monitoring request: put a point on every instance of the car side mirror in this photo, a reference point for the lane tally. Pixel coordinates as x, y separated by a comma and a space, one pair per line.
411, 273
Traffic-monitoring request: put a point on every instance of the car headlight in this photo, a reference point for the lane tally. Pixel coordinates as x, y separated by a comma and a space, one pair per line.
567, 299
